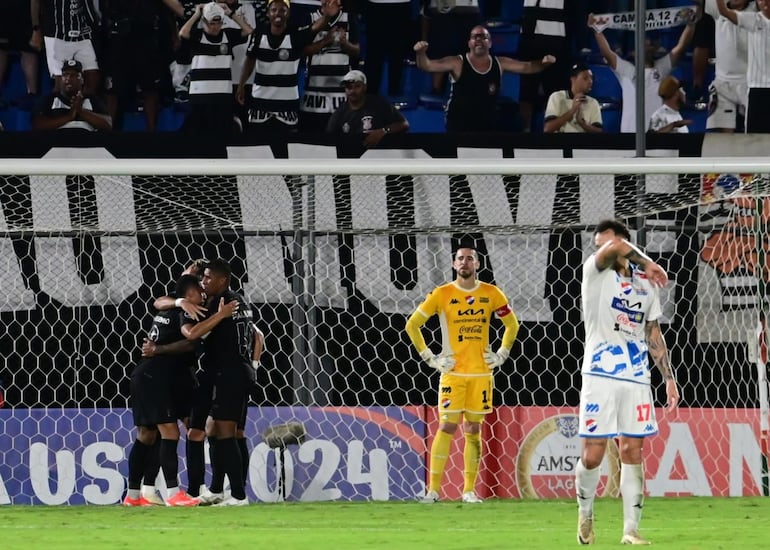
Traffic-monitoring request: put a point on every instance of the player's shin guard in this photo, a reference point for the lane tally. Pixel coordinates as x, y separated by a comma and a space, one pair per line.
151, 466
632, 491
472, 457
169, 461
196, 466
439, 452
136, 462
229, 458
586, 483
217, 471
243, 448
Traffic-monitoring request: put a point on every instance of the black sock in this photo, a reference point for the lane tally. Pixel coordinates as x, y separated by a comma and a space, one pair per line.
243, 448
217, 473
170, 462
152, 463
196, 466
136, 462
229, 457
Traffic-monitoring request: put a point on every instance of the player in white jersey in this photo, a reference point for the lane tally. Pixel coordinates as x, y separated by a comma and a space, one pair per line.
758, 67
621, 308
728, 92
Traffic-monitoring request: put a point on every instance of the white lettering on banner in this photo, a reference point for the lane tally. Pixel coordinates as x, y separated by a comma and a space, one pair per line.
40, 473
377, 477
328, 465
258, 467
694, 481
744, 449
92, 467
16, 295
56, 263
328, 458
4, 498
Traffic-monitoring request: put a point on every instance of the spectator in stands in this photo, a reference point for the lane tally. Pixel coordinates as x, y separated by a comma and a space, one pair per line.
573, 110
704, 48
22, 34
301, 12
138, 38
211, 89
71, 107
544, 31
667, 119
476, 79
728, 91
362, 114
389, 33
68, 28
329, 59
758, 67
444, 25
275, 52
247, 11
655, 71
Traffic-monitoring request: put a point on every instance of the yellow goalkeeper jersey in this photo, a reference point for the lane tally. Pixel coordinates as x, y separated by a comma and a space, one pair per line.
465, 316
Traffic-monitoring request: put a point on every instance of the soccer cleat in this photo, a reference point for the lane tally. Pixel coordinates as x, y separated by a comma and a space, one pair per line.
232, 501
634, 538
471, 498
429, 498
182, 499
207, 498
141, 501
585, 532
153, 499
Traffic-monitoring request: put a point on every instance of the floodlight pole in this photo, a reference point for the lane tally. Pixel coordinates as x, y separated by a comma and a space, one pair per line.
641, 122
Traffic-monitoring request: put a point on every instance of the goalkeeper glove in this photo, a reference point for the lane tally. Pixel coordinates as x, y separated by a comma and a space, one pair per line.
442, 363
255, 364
494, 360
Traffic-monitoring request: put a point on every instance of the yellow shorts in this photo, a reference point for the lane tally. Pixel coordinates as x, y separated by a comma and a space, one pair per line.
471, 394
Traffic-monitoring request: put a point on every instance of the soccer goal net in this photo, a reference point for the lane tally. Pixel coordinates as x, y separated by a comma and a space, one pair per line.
333, 256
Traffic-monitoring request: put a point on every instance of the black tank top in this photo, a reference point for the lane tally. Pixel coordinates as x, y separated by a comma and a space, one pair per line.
472, 103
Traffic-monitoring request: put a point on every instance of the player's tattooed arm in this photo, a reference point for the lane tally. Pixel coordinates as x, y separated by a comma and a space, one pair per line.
658, 350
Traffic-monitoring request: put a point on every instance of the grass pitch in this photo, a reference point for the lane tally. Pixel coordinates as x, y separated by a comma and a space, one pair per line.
688, 523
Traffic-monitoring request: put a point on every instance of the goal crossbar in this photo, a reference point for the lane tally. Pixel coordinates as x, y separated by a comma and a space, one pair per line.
434, 166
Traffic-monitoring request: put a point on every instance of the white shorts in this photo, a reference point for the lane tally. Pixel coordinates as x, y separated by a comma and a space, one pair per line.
611, 407
58, 51
727, 99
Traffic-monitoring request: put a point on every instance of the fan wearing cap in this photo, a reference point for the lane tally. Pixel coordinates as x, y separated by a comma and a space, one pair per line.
70, 107
667, 119
273, 54
211, 91
573, 110
361, 114
476, 78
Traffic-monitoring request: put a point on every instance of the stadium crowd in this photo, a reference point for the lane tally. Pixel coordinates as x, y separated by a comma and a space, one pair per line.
277, 65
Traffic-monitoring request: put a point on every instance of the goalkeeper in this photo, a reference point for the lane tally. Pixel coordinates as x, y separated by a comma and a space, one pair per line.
466, 363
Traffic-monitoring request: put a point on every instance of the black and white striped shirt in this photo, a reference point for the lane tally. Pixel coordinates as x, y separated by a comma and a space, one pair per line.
758, 71
276, 82
324, 92
56, 105
544, 17
212, 59
70, 20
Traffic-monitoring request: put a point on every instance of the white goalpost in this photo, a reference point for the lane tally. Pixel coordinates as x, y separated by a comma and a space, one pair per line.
333, 255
